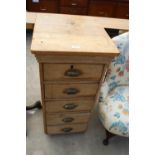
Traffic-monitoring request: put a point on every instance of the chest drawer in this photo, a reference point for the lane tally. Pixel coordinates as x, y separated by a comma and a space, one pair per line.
72, 72
69, 105
75, 3
65, 129
33, 5
70, 90
43, 5
59, 119
49, 6
122, 10
73, 10
100, 8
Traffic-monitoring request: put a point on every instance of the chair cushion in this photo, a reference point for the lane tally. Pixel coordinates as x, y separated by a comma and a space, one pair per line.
114, 111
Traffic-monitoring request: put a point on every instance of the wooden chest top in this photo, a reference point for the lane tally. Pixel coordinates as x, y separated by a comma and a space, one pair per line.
59, 34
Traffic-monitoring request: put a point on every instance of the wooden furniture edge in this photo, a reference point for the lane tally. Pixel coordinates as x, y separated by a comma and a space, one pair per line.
113, 23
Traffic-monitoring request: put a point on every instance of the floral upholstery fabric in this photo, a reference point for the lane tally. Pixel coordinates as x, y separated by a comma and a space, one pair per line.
114, 95
114, 111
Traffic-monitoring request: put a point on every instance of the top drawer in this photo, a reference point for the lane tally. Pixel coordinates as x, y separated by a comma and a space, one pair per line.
76, 3
73, 72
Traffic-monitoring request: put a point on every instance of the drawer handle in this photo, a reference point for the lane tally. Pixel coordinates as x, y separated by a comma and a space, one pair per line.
70, 106
68, 119
101, 13
71, 91
74, 4
67, 129
43, 9
72, 72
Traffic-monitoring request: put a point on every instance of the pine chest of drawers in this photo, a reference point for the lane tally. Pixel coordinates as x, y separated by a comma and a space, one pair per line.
73, 54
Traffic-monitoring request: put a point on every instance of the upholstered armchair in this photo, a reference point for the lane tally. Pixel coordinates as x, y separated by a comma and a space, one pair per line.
114, 96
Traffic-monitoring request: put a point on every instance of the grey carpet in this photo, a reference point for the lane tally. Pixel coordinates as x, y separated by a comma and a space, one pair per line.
38, 143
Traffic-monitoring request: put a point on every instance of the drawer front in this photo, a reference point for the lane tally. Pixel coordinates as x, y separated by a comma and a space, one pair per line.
99, 8
49, 6
59, 119
122, 11
74, 3
33, 5
72, 72
70, 90
66, 129
69, 105
43, 6
73, 10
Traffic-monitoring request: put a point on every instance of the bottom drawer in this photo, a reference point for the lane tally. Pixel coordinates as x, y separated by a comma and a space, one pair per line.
66, 129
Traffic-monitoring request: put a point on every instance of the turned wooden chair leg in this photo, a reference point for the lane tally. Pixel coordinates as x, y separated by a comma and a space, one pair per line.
108, 136
37, 104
